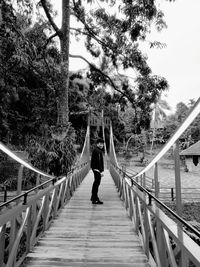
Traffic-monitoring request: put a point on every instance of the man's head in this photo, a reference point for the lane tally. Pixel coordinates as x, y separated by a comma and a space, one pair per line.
100, 143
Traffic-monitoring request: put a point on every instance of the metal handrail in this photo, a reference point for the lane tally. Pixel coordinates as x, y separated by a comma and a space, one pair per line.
53, 180
36, 170
191, 116
133, 182
25, 194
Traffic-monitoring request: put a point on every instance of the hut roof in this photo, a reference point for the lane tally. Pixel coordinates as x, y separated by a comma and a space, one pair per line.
192, 150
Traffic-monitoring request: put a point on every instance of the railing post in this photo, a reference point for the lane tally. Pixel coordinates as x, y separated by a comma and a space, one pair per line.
156, 180
144, 180
5, 193
2, 244
147, 232
141, 180
130, 202
29, 230
159, 233
38, 179
177, 178
127, 195
45, 211
13, 232
153, 183
34, 208
178, 196
172, 194
19, 181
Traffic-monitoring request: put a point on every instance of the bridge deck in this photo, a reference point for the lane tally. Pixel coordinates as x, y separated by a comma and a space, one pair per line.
90, 235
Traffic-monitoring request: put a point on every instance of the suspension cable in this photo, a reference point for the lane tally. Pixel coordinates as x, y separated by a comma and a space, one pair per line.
22, 162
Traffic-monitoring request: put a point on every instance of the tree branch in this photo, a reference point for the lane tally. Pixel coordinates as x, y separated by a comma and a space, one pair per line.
49, 39
82, 32
102, 73
52, 36
125, 76
46, 10
89, 32
78, 30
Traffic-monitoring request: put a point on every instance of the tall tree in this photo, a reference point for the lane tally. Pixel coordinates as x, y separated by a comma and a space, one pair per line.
158, 116
181, 112
63, 34
113, 35
110, 36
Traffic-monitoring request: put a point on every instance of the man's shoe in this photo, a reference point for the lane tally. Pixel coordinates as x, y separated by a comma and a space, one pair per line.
97, 202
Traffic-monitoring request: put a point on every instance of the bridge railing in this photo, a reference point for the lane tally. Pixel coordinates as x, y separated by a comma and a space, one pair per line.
163, 237
166, 193
167, 239
28, 215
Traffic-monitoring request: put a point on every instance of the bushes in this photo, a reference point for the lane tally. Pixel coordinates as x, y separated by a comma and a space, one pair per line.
55, 153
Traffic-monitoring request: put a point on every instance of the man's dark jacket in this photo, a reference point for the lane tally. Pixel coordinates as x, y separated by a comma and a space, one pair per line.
97, 159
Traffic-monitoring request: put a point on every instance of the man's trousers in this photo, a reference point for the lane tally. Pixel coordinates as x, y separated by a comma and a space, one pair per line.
95, 186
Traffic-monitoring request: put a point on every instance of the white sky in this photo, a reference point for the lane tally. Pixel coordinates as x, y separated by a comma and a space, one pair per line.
179, 62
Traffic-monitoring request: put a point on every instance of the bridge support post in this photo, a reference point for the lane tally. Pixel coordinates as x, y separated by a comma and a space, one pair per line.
159, 232
38, 180
29, 224
146, 229
144, 180
156, 180
177, 178
130, 203
178, 197
19, 181
2, 244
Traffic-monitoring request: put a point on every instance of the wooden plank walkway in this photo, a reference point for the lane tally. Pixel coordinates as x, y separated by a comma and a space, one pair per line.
90, 235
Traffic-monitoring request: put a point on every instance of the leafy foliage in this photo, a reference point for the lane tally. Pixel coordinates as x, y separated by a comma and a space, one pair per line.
28, 89
192, 133
53, 154
31, 74
113, 30
115, 34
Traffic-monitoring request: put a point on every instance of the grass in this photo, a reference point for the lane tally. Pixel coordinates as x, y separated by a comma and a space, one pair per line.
190, 212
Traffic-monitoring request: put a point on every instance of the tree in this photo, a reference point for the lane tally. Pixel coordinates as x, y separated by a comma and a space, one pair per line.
104, 40
15, 51
28, 88
181, 112
110, 35
160, 106
192, 133
34, 57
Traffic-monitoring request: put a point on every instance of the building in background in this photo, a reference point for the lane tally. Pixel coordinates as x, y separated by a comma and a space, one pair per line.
192, 157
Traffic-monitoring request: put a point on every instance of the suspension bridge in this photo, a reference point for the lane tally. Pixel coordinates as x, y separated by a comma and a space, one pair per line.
55, 224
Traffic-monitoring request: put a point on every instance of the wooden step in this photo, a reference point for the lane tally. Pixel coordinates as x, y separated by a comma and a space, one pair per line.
90, 235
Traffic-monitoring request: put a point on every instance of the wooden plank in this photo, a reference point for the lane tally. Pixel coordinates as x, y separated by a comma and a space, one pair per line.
90, 235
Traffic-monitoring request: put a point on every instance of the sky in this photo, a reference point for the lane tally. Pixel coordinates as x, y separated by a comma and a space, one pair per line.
179, 62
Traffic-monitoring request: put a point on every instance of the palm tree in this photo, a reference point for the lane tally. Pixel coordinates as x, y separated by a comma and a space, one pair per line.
158, 116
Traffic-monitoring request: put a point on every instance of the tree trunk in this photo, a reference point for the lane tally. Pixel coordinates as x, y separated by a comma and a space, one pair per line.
63, 91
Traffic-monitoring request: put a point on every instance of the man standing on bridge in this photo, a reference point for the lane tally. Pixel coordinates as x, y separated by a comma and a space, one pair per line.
97, 166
